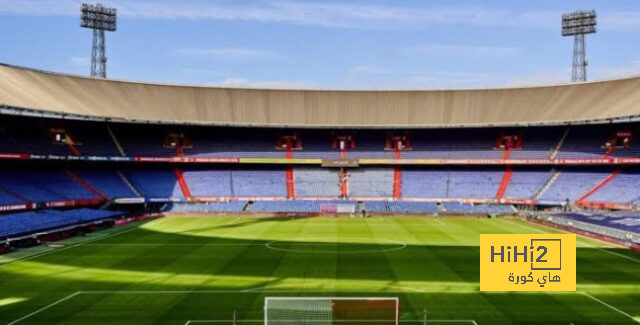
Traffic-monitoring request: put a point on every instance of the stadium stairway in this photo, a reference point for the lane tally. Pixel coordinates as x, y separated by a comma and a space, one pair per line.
72, 148
290, 179
9, 197
609, 152
129, 184
184, 187
76, 178
344, 183
599, 186
397, 176
397, 182
289, 174
554, 175
623, 189
556, 149
504, 184
116, 142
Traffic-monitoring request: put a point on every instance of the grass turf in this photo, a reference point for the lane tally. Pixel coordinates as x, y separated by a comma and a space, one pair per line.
176, 269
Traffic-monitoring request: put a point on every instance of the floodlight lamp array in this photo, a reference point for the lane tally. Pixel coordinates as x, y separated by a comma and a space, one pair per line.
579, 22
98, 17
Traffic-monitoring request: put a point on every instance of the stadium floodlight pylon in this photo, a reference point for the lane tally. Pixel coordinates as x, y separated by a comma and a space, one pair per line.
331, 310
99, 19
577, 24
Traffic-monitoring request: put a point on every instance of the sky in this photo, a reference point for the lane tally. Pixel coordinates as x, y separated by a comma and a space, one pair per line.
371, 44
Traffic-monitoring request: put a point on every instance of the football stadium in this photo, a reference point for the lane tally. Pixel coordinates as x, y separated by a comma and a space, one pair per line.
129, 202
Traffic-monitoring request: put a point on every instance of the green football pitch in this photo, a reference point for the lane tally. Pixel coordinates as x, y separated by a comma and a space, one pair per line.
199, 270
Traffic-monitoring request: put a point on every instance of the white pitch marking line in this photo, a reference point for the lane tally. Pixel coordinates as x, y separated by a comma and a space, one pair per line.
242, 291
36, 255
617, 254
232, 221
202, 321
137, 292
176, 244
46, 307
277, 289
524, 226
611, 307
439, 221
209, 292
397, 245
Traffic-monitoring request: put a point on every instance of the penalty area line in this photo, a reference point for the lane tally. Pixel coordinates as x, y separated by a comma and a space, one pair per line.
256, 290
617, 254
77, 293
176, 244
609, 306
261, 321
46, 307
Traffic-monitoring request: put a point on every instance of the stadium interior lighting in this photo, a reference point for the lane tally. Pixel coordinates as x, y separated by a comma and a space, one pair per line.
577, 24
100, 19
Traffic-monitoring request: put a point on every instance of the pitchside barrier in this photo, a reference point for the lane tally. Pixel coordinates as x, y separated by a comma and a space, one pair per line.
624, 235
331, 310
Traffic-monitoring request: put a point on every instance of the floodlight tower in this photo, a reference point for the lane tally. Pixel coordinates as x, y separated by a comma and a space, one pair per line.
577, 24
99, 19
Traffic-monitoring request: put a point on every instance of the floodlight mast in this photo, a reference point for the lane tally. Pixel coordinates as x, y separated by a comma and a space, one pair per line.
577, 24
99, 19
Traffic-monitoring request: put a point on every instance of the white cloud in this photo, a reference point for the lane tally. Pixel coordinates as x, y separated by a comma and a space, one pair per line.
365, 69
277, 84
620, 20
328, 14
198, 72
79, 61
228, 53
377, 77
608, 72
40, 7
552, 77
235, 82
458, 50
561, 76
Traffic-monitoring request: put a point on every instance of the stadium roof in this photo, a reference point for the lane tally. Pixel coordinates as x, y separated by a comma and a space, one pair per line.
34, 92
